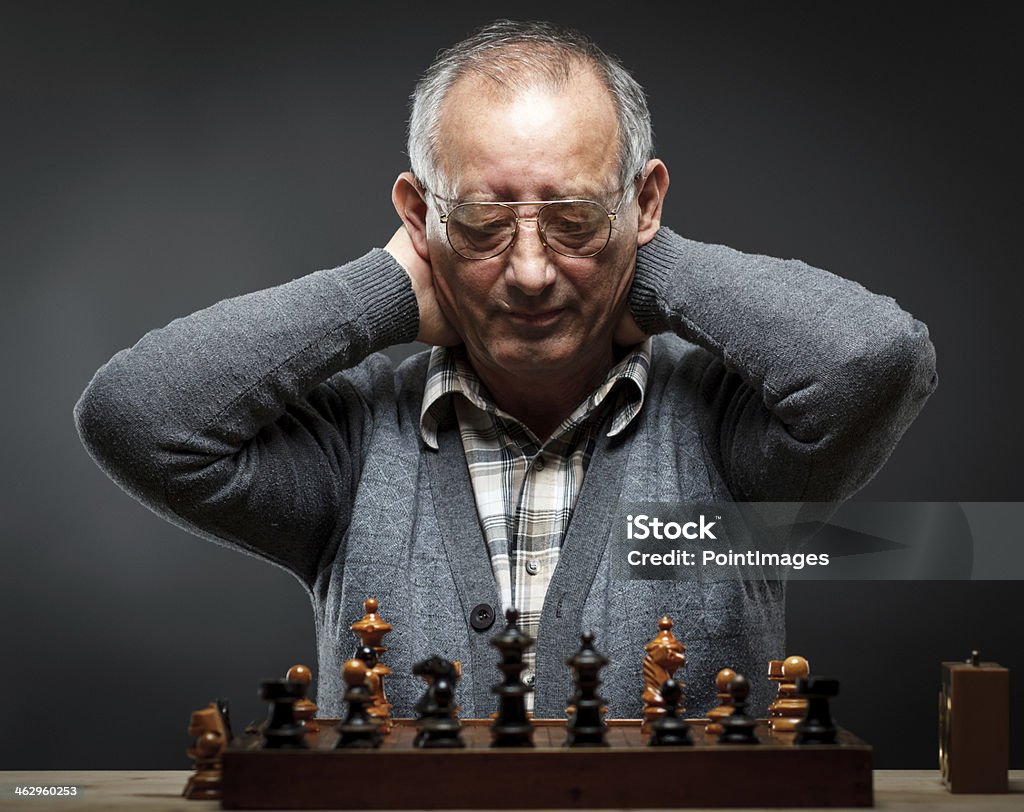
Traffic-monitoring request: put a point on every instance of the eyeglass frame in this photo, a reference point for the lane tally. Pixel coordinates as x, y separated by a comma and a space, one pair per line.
509, 204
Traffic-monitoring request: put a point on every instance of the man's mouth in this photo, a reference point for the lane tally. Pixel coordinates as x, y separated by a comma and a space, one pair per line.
535, 318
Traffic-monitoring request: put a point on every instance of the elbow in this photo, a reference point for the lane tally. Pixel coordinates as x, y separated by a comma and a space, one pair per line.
898, 378
95, 414
883, 392
113, 430
869, 385
860, 413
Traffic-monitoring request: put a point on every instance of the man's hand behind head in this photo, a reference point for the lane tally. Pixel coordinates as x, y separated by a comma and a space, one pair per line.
434, 327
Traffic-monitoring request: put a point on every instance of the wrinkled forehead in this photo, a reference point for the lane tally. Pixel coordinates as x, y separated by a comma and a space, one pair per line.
534, 139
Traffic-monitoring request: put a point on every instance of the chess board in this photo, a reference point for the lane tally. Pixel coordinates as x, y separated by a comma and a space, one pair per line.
626, 774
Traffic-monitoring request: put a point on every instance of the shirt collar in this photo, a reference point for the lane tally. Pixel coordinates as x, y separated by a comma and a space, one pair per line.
449, 372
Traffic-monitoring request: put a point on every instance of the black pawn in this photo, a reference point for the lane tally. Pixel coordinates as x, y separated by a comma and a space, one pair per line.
358, 729
670, 729
817, 726
367, 655
739, 728
512, 727
283, 731
586, 728
438, 725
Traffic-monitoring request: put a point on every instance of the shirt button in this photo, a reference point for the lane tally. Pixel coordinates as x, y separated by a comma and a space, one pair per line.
481, 617
529, 678
538, 463
532, 567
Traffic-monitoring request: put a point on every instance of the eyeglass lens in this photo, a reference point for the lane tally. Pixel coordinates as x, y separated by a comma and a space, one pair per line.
575, 228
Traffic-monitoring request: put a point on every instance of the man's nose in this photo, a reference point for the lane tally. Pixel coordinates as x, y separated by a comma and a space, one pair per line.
530, 268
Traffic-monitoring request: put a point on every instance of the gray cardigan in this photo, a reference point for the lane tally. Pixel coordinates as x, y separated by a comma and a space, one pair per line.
269, 423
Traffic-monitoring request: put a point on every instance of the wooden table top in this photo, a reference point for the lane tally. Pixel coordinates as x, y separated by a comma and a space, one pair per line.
100, 791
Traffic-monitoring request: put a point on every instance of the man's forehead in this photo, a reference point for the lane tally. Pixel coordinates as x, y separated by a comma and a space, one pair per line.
540, 143
483, 92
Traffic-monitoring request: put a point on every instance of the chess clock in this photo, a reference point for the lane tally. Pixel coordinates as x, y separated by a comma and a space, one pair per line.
974, 726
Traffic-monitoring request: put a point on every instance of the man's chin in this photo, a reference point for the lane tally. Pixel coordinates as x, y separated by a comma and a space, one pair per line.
537, 360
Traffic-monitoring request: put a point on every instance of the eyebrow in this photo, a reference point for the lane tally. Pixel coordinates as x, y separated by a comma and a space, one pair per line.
600, 188
546, 197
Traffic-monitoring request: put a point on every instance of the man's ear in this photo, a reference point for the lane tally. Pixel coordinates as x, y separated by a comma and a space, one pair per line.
651, 198
411, 206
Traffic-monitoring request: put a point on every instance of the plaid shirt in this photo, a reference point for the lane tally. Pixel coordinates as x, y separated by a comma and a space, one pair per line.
525, 489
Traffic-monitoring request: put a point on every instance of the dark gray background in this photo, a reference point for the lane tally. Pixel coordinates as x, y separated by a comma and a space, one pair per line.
157, 157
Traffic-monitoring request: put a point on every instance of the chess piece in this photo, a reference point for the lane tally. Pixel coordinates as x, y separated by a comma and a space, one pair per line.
738, 727
305, 708
585, 727
378, 708
817, 726
283, 730
724, 708
225, 716
665, 655
438, 725
670, 728
369, 659
371, 630
788, 710
511, 727
358, 729
775, 676
208, 729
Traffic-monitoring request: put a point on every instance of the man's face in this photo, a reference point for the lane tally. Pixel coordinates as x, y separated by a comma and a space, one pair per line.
530, 312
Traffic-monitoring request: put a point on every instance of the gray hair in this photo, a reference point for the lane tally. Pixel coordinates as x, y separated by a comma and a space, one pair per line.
518, 56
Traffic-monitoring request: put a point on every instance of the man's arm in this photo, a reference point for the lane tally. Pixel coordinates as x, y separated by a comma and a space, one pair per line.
812, 379
228, 422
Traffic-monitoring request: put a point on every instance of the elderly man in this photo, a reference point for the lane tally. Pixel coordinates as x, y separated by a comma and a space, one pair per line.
485, 473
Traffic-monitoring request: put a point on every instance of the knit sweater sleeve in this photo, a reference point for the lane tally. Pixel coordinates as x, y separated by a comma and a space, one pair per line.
234, 423
809, 380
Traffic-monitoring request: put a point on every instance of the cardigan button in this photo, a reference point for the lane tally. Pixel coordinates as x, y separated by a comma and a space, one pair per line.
482, 617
